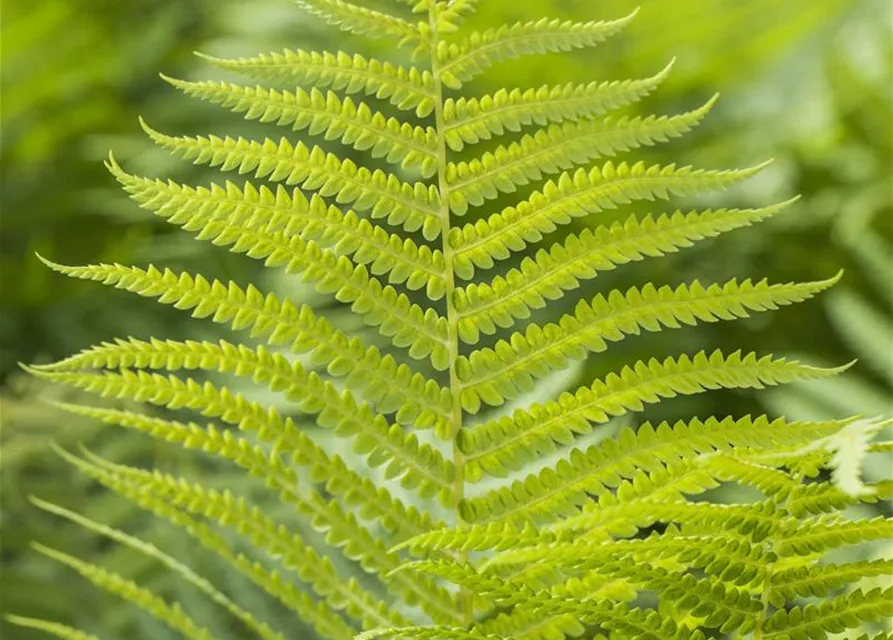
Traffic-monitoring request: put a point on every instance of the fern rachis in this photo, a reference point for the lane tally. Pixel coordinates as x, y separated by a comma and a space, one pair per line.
584, 545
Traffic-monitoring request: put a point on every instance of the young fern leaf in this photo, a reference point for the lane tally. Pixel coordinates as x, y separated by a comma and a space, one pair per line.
617, 539
52, 628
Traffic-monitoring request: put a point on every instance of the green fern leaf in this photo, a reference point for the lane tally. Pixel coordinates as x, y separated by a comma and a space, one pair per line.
424, 332
53, 628
360, 20
411, 206
573, 196
508, 369
461, 62
556, 492
510, 443
262, 629
469, 121
334, 118
557, 148
170, 614
832, 616
405, 88
484, 307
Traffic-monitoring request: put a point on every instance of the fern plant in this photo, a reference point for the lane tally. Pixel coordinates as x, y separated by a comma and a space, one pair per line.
615, 539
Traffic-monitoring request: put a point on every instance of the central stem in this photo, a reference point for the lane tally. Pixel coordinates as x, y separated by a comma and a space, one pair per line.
465, 598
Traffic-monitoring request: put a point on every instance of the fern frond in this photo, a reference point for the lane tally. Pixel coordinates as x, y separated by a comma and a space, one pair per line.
341, 529
171, 614
389, 386
412, 206
151, 492
558, 148
451, 15
511, 442
147, 549
556, 492
485, 307
405, 88
462, 62
492, 375
469, 121
819, 581
576, 195
820, 535
360, 20
373, 503
424, 333
325, 114
831, 616
209, 210
52, 628
418, 466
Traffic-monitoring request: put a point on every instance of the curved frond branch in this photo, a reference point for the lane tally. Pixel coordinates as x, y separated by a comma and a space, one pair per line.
558, 491
558, 148
834, 615
493, 375
326, 115
472, 120
510, 443
169, 613
362, 21
373, 503
412, 206
405, 323
480, 50
821, 580
342, 530
149, 550
174, 499
575, 196
392, 387
487, 307
418, 466
52, 628
405, 88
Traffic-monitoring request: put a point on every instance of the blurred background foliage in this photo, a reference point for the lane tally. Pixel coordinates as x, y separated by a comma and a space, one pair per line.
807, 82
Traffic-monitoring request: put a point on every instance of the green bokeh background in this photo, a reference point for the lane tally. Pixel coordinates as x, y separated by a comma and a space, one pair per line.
806, 82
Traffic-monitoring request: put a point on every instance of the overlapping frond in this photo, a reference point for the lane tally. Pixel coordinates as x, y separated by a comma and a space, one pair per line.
510, 443
509, 368
558, 491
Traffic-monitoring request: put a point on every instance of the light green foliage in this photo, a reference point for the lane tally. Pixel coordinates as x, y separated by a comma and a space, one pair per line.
541, 538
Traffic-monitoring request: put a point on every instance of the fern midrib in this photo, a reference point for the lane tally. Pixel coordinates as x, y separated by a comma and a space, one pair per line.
465, 598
